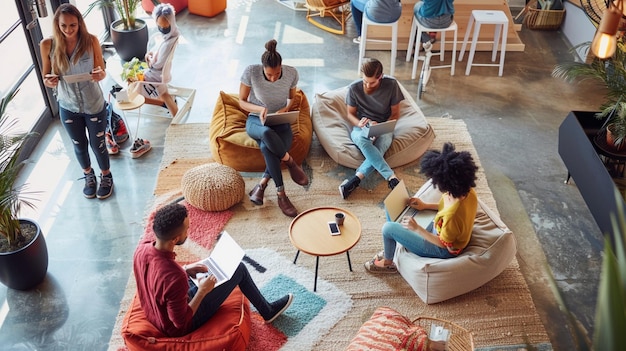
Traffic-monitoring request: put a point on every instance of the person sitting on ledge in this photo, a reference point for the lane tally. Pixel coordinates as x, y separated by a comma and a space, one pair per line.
434, 14
156, 57
454, 174
169, 298
380, 11
375, 98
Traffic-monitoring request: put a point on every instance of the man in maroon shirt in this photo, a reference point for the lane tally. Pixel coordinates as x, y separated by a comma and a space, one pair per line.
170, 300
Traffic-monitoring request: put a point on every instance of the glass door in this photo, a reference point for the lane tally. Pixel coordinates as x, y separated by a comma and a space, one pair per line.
19, 68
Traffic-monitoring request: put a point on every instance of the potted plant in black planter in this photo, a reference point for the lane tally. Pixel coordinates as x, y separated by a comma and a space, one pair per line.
128, 34
23, 250
612, 74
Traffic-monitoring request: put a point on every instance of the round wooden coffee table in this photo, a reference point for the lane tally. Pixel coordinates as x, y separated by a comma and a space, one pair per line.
309, 233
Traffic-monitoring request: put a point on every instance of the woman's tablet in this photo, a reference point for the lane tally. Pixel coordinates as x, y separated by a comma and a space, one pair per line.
280, 118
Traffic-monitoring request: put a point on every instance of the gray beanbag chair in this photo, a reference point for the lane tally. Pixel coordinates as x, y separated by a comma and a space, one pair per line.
491, 249
412, 136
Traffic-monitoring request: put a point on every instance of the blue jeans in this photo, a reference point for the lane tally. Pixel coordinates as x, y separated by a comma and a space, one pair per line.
438, 22
213, 300
75, 125
373, 151
394, 232
358, 7
274, 141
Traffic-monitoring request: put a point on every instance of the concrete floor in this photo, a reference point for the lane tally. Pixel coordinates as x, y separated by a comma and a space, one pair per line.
513, 121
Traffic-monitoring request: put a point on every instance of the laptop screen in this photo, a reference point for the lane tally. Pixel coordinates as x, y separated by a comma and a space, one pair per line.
396, 205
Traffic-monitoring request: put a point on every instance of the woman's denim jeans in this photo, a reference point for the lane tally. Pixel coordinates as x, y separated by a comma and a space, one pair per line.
274, 142
95, 125
394, 232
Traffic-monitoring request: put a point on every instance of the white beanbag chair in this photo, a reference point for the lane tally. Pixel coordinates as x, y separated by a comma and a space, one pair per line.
489, 252
411, 138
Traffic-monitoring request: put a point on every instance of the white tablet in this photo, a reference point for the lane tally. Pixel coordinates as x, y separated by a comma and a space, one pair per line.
280, 118
75, 78
381, 128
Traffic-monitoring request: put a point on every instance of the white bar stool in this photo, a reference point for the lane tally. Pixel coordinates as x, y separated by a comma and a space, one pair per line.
502, 27
417, 28
394, 41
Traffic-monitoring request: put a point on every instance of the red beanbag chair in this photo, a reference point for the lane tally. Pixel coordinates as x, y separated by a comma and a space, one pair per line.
228, 329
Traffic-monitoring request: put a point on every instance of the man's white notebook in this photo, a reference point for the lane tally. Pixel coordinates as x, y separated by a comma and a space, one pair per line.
396, 204
224, 259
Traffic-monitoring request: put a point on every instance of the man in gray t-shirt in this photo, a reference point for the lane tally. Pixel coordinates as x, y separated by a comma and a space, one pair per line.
373, 99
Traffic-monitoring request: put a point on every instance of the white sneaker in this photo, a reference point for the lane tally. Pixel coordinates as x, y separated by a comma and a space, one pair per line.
357, 40
139, 148
427, 46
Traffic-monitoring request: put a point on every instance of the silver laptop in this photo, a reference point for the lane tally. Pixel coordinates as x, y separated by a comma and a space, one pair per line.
377, 129
396, 204
282, 117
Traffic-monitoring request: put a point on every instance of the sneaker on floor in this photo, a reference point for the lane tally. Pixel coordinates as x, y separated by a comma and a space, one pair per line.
280, 306
139, 148
348, 185
371, 267
106, 186
427, 46
91, 184
120, 132
357, 40
112, 147
392, 183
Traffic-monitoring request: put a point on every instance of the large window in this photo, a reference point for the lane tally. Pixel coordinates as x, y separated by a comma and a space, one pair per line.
19, 67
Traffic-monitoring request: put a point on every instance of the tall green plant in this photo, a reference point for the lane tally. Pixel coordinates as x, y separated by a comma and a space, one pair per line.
12, 196
612, 74
125, 9
610, 321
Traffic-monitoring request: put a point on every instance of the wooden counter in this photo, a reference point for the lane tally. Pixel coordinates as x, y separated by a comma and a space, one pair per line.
462, 11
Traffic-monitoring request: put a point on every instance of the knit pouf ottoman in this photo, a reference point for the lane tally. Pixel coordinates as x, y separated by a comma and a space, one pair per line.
213, 187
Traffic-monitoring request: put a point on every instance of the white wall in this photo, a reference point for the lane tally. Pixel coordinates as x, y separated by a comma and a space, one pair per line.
577, 27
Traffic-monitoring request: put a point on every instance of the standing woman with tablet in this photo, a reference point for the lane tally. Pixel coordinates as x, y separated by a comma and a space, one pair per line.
72, 50
266, 88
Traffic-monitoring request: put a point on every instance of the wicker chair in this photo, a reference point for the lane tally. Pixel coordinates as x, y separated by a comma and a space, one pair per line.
339, 10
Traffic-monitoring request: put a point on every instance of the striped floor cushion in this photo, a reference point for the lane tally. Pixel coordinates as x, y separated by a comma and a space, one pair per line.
387, 329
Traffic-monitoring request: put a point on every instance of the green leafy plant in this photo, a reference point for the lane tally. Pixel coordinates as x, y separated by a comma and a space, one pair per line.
12, 195
611, 73
125, 9
133, 70
610, 320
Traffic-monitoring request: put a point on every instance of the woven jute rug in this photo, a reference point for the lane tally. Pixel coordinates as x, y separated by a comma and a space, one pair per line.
500, 314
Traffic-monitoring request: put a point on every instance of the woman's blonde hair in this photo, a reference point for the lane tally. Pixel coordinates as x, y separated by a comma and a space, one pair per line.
60, 61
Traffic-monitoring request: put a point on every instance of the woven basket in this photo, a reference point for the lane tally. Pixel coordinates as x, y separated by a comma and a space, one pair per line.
213, 187
460, 338
543, 19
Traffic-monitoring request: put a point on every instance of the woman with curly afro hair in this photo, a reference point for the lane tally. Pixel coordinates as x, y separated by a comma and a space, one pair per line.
454, 174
